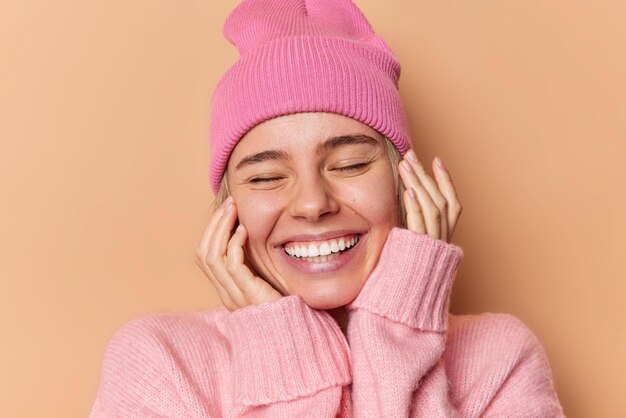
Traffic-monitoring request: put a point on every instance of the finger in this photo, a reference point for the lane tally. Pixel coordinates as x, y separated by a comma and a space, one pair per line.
203, 245
430, 211
446, 185
227, 301
217, 254
433, 190
202, 251
223, 295
219, 237
254, 289
414, 216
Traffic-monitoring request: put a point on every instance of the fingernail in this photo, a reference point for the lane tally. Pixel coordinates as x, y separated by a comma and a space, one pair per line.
412, 193
411, 156
439, 163
406, 166
239, 228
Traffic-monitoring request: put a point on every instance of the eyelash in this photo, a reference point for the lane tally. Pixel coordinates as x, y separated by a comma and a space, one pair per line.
353, 167
264, 179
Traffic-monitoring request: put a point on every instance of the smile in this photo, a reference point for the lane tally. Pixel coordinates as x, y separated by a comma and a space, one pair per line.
320, 251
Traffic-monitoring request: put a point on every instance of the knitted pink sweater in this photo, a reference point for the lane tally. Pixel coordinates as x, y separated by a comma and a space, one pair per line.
403, 356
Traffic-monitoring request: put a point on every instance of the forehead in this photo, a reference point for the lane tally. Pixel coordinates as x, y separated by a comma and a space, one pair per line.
299, 132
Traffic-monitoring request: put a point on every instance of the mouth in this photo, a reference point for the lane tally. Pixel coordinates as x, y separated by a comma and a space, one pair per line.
321, 251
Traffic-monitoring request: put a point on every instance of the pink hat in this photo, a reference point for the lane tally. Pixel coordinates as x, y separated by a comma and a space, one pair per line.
304, 56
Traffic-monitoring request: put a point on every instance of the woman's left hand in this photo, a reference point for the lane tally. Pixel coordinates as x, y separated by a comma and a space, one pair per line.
432, 207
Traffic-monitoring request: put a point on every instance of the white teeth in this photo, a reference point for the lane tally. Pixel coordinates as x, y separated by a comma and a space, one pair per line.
319, 253
324, 249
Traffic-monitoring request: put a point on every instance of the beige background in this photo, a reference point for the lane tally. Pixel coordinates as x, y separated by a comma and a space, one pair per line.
104, 192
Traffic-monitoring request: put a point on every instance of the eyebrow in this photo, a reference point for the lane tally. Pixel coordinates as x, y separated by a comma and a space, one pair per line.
339, 141
328, 145
263, 156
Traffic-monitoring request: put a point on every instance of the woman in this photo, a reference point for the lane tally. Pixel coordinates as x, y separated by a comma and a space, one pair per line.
330, 250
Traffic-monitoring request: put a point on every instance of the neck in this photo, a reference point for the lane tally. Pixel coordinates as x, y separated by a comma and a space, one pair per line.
341, 316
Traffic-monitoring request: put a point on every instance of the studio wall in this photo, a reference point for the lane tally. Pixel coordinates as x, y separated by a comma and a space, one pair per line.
104, 112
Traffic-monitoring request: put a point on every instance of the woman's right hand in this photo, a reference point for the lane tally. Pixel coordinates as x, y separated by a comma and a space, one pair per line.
221, 258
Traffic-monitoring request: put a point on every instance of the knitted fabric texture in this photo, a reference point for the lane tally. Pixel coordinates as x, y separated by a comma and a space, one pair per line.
304, 56
404, 355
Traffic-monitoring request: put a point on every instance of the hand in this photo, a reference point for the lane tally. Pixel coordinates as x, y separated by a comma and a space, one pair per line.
431, 207
221, 258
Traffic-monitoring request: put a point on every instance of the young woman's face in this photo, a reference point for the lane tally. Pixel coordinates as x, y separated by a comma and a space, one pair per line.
320, 183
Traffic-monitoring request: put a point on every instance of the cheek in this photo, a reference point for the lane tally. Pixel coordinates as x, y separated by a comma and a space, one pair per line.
375, 200
258, 213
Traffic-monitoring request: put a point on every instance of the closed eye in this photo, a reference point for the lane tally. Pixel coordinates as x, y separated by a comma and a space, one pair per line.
353, 167
264, 179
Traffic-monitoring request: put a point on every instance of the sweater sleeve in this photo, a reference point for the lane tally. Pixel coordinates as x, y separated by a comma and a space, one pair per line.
279, 359
398, 330
288, 360
397, 327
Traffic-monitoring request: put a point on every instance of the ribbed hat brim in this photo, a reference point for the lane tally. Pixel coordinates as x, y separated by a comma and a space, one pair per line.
306, 74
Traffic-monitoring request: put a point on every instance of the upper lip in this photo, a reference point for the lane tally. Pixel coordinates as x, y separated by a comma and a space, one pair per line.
319, 236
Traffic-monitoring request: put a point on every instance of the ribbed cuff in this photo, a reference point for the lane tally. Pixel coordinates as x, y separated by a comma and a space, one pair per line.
412, 281
283, 350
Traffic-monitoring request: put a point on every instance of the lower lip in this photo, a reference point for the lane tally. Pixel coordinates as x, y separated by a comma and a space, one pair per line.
332, 265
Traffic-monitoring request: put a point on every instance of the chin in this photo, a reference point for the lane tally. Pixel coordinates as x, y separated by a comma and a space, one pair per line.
330, 297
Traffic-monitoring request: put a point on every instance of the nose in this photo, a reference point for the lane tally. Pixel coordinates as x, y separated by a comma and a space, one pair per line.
313, 199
